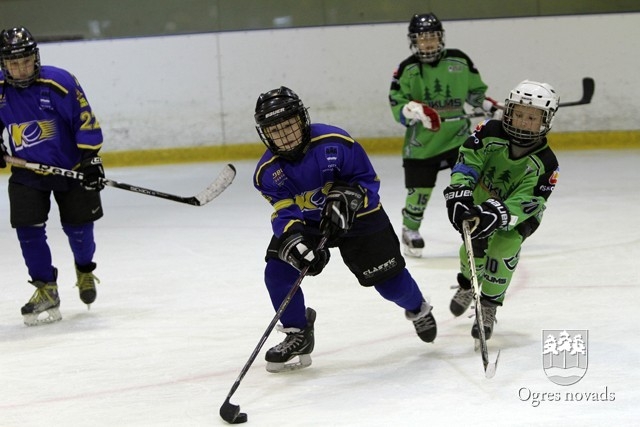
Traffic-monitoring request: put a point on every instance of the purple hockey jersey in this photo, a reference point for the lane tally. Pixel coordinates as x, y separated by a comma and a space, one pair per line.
49, 122
297, 190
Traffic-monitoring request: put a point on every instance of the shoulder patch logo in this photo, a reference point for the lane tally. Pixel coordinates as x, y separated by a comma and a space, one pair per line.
331, 153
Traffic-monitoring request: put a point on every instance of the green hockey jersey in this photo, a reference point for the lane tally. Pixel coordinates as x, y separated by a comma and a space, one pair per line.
444, 86
487, 164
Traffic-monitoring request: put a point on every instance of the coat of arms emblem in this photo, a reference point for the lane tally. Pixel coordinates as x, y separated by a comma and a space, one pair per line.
565, 355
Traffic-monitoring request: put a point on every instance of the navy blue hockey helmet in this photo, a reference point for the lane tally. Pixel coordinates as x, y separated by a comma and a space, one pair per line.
18, 43
422, 28
282, 121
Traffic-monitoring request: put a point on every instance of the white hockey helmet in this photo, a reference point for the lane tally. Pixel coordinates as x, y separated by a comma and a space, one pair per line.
538, 95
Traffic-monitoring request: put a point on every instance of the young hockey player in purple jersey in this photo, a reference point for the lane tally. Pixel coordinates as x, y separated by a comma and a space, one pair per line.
320, 182
48, 120
504, 175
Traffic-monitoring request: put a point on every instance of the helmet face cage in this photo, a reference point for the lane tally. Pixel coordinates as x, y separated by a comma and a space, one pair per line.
18, 43
283, 124
422, 27
540, 96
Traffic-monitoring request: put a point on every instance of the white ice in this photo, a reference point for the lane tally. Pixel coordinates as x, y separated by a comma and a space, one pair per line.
182, 305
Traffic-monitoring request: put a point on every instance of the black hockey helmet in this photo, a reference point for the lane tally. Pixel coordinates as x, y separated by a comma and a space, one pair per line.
426, 24
18, 43
273, 109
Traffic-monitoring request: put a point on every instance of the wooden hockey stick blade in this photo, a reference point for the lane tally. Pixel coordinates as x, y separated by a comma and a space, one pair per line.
588, 88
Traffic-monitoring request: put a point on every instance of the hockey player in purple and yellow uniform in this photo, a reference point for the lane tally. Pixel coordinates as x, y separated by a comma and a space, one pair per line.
320, 181
432, 78
48, 120
504, 175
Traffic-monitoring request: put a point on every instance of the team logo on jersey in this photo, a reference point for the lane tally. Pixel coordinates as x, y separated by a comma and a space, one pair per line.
565, 355
331, 153
32, 133
311, 200
439, 98
553, 179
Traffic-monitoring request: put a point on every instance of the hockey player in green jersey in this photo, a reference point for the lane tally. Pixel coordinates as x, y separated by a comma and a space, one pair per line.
433, 82
502, 180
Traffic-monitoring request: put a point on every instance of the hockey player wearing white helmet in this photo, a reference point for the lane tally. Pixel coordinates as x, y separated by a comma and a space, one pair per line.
503, 177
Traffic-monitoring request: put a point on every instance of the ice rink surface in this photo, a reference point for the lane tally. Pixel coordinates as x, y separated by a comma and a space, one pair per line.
182, 305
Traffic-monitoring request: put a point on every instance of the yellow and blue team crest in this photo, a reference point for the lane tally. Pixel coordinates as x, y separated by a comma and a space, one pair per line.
565, 355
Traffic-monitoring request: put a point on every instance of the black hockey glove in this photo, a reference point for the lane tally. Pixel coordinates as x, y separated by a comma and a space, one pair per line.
339, 212
3, 152
298, 251
93, 173
459, 200
492, 214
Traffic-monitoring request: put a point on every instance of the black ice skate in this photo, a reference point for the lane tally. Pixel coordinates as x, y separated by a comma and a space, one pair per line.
44, 300
424, 322
462, 298
488, 316
413, 243
299, 342
87, 283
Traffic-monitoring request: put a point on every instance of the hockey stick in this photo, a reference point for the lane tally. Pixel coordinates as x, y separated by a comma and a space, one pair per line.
224, 179
230, 412
489, 368
464, 117
588, 87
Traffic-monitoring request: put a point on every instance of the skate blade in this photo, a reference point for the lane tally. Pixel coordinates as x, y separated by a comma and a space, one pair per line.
303, 362
412, 252
53, 315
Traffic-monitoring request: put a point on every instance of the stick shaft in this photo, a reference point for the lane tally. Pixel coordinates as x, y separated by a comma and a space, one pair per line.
466, 233
272, 324
55, 170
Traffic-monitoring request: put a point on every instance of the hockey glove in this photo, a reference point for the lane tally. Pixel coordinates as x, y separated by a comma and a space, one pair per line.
3, 152
459, 200
491, 109
339, 212
93, 173
492, 214
414, 112
298, 251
